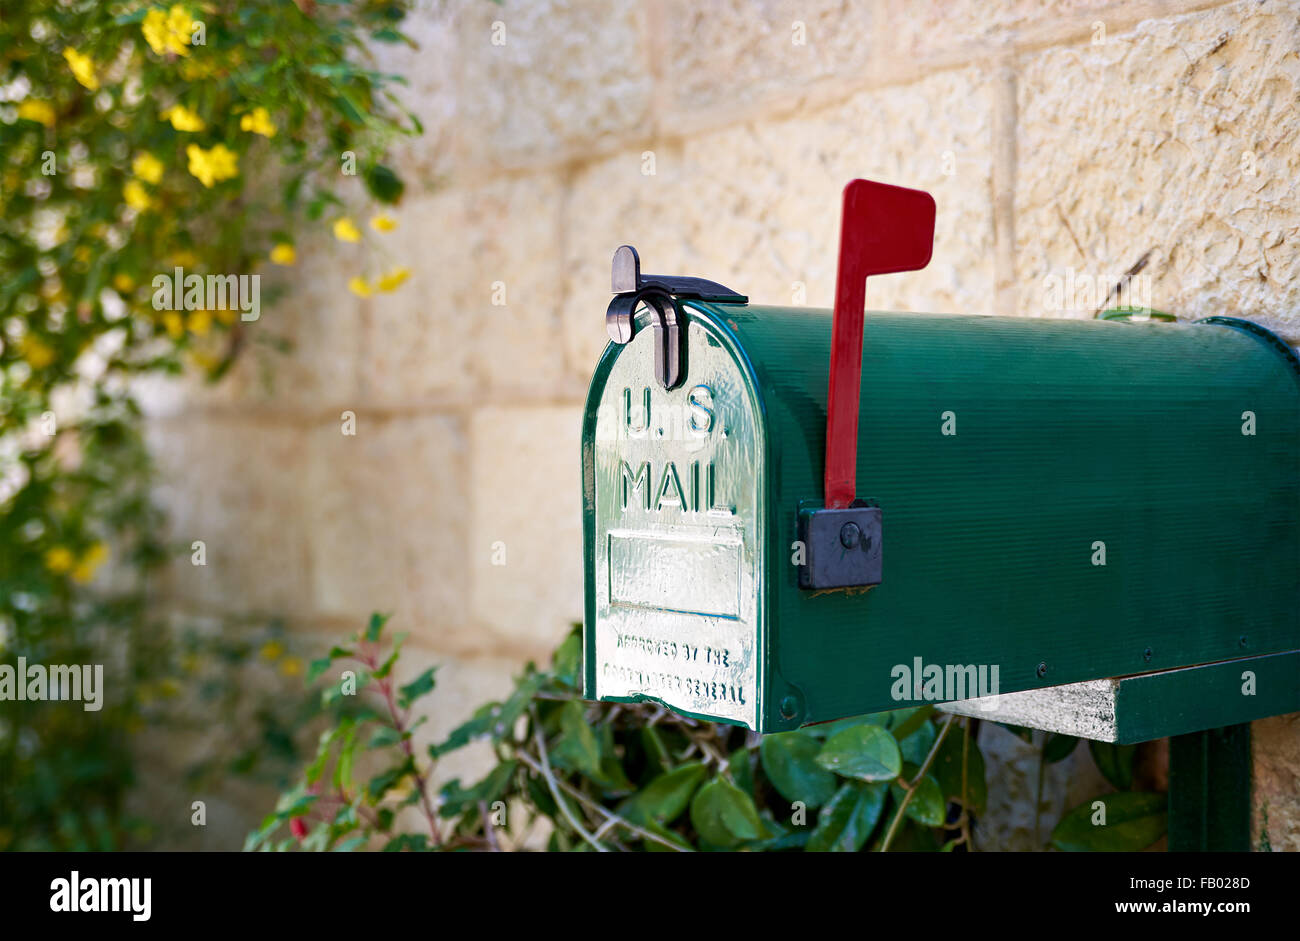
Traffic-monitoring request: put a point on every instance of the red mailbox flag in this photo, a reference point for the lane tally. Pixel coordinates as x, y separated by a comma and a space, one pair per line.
884, 228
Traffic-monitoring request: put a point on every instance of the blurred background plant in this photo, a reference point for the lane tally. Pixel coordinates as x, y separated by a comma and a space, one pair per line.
582, 776
135, 139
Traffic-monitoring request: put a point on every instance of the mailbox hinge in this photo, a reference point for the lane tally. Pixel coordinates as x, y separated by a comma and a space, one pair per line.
659, 293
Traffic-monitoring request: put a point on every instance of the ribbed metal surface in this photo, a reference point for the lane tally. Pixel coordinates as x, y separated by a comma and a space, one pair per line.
1068, 433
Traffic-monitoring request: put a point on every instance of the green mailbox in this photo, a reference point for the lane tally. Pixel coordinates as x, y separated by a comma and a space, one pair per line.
1029, 503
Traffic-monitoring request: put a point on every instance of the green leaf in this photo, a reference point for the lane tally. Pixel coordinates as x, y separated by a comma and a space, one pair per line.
347, 753
656, 752
504, 719
407, 842
906, 721
946, 769
740, 765
420, 686
724, 816
385, 781
927, 805
790, 762
1115, 762
578, 748
829, 729
316, 668
612, 778
327, 738
665, 797
1133, 821
845, 824
387, 666
384, 736
376, 626
864, 752
456, 799
567, 662
322, 664
664, 833
475, 727
1058, 747
916, 744
383, 184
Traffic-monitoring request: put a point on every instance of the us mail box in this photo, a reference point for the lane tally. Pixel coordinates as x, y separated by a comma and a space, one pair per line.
1035, 502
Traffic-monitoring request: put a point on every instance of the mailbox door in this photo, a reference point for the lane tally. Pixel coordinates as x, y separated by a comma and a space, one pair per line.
674, 532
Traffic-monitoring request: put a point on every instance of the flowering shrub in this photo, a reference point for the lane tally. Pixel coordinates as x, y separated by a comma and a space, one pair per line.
137, 139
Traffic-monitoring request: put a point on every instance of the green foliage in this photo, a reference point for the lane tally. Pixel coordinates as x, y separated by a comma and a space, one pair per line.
1124, 821
135, 138
1121, 822
574, 775
581, 776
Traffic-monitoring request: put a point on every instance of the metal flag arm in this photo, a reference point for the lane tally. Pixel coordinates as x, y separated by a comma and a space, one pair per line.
883, 229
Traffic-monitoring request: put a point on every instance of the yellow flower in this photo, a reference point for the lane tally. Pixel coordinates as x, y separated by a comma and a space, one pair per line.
174, 324
168, 32
345, 230
83, 69
36, 351
272, 650
394, 279
90, 563
290, 666
199, 323
60, 560
383, 223
184, 258
136, 196
359, 287
168, 688
148, 168
39, 111
124, 283
259, 122
283, 254
183, 119
212, 166
226, 316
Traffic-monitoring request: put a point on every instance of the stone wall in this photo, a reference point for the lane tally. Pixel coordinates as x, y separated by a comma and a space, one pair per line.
715, 136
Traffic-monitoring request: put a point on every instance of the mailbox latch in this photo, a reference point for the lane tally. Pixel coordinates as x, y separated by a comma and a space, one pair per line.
659, 293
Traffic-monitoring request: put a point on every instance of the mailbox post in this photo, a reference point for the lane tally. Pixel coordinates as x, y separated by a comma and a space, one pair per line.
785, 523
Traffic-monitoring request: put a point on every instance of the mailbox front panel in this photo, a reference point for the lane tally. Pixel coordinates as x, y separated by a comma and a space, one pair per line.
674, 532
